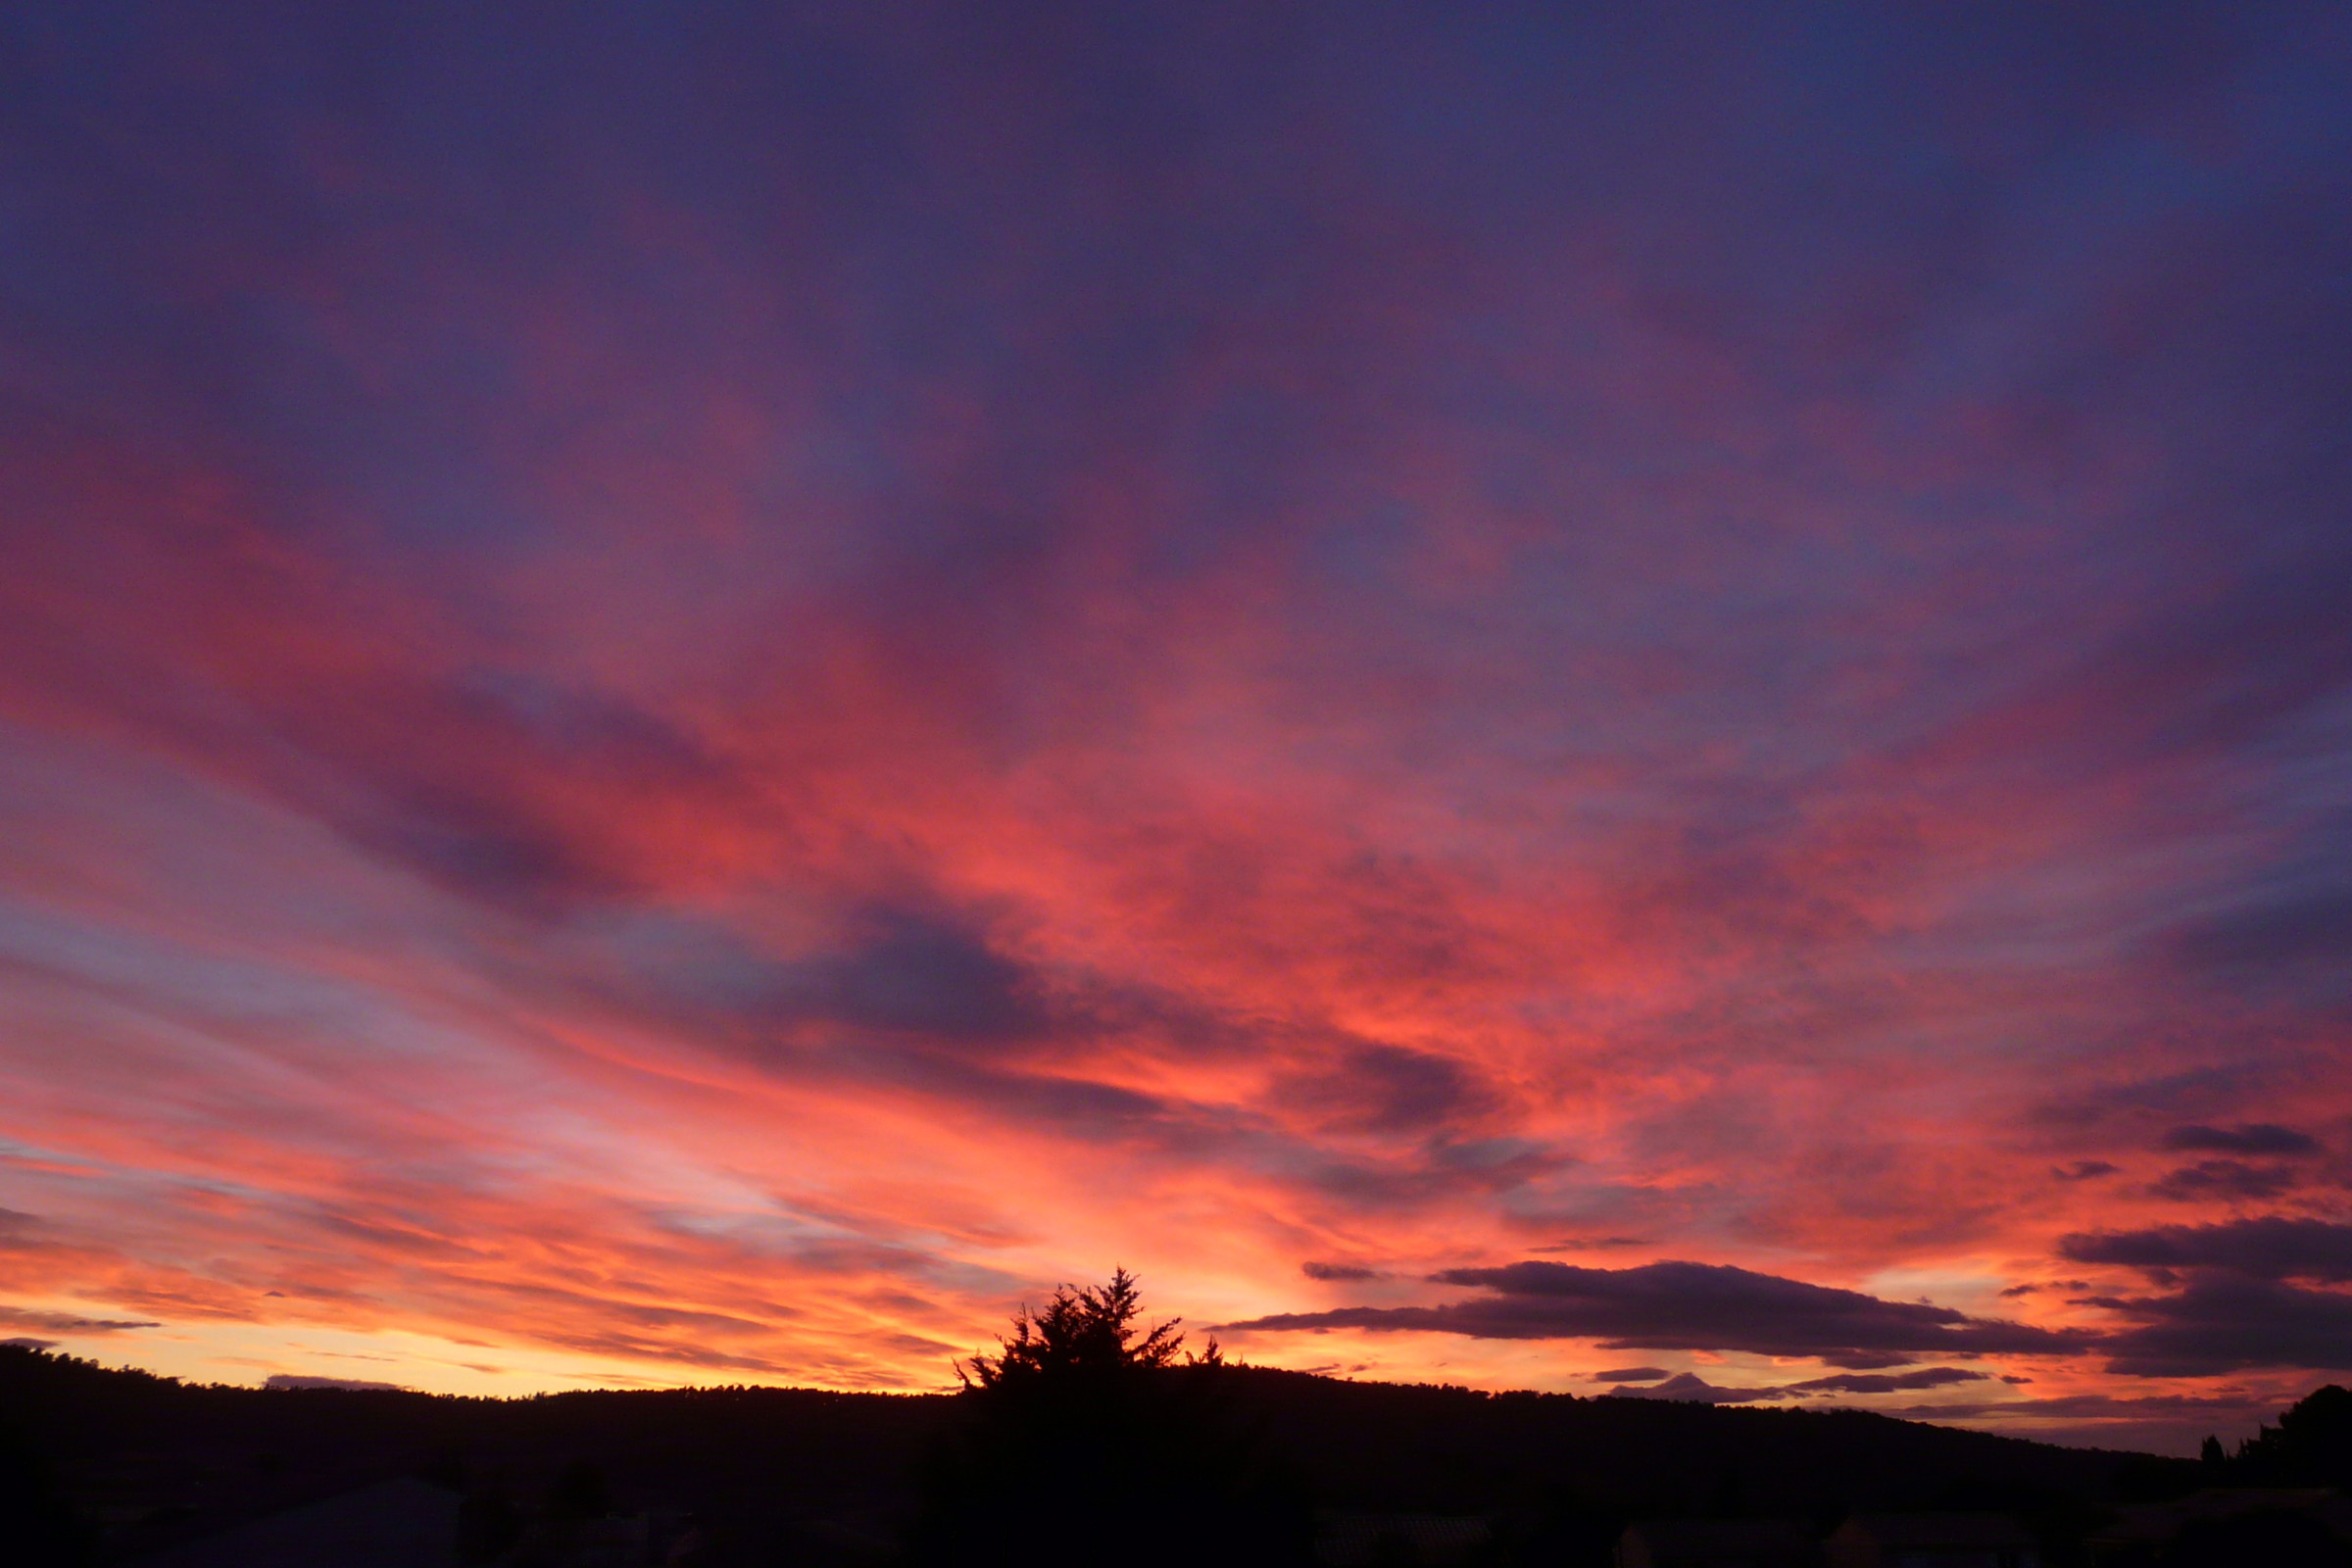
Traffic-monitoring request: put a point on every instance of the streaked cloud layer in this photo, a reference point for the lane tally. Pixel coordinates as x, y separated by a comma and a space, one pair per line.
694, 695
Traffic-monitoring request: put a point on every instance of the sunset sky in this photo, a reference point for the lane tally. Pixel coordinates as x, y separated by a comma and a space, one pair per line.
1574, 698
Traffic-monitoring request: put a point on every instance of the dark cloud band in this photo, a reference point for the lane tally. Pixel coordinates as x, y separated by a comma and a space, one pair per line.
1694, 1306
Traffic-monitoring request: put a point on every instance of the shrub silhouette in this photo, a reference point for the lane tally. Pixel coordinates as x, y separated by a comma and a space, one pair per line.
1090, 1436
2311, 1445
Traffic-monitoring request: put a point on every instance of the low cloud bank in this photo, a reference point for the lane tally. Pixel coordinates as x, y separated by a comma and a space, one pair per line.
1692, 1388
2244, 1293
70, 1323
2224, 1297
1696, 1306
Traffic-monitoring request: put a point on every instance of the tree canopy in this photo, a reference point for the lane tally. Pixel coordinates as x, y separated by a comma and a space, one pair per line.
2311, 1445
1089, 1431
1083, 1332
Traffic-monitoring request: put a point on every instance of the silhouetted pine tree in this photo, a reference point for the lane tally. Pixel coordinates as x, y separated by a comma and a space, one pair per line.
1088, 1436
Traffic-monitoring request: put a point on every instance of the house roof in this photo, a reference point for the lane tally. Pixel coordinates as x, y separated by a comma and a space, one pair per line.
403, 1523
1679, 1535
1940, 1529
2148, 1521
1344, 1539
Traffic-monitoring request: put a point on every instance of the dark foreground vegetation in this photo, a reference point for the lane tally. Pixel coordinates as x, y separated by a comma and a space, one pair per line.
1085, 1439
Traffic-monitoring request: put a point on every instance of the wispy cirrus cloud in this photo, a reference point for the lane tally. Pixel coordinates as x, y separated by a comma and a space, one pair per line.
707, 702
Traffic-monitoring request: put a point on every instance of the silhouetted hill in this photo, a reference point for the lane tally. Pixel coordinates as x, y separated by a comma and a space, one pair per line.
1459, 1450
812, 1476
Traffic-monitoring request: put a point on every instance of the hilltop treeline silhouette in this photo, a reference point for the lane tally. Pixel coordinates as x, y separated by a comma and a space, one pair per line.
1087, 1430
2310, 1446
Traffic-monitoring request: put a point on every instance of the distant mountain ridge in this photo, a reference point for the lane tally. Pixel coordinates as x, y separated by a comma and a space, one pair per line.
152, 1461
